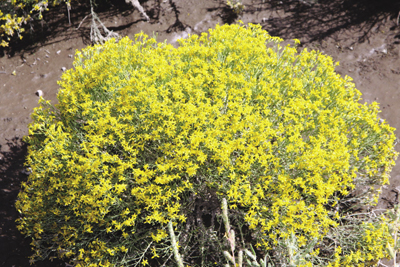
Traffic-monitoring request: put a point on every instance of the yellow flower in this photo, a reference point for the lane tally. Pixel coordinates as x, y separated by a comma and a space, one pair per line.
142, 131
155, 255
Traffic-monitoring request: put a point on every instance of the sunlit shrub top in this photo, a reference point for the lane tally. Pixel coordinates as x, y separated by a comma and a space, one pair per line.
141, 125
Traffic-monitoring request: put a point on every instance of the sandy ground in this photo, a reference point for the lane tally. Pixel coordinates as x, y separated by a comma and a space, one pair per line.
363, 36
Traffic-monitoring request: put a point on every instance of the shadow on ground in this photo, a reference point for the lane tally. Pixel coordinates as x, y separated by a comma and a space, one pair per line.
13, 246
57, 23
315, 20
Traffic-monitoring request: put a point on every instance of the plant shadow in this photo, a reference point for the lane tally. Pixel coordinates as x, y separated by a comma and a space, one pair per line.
315, 20
14, 247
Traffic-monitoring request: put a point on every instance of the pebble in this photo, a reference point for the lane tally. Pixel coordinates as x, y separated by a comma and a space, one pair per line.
39, 93
63, 68
58, 52
70, 56
26, 171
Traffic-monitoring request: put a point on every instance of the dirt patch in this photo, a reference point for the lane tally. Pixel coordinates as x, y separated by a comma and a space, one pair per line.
362, 35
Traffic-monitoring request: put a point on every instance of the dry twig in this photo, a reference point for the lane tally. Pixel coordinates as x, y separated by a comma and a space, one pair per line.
137, 5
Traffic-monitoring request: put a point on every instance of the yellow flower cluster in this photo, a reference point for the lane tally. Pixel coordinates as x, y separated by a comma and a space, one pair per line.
236, 5
368, 247
140, 125
15, 13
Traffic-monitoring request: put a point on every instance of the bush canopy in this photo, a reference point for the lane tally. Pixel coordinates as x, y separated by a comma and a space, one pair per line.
146, 135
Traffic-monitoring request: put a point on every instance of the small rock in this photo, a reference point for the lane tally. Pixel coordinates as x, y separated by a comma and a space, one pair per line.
384, 51
47, 51
63, 68
14, 73
58, 52
26, 171
39, 93
265, 19
70, 56
47, 56
24, 107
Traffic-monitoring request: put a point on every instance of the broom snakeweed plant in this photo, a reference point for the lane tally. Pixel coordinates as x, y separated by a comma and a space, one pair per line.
146, 135
15, 13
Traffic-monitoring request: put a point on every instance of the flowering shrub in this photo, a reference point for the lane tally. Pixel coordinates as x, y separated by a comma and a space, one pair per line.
15, 13
146, 136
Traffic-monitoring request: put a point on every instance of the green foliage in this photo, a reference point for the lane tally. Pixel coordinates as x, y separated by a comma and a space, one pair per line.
394, 228
132, 165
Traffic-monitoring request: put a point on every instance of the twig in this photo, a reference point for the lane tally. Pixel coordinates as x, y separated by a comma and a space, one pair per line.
380, 263
82, 21
95, 34
20, 65
398, 16
68, 9
137, 5
144, 253
163, 265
